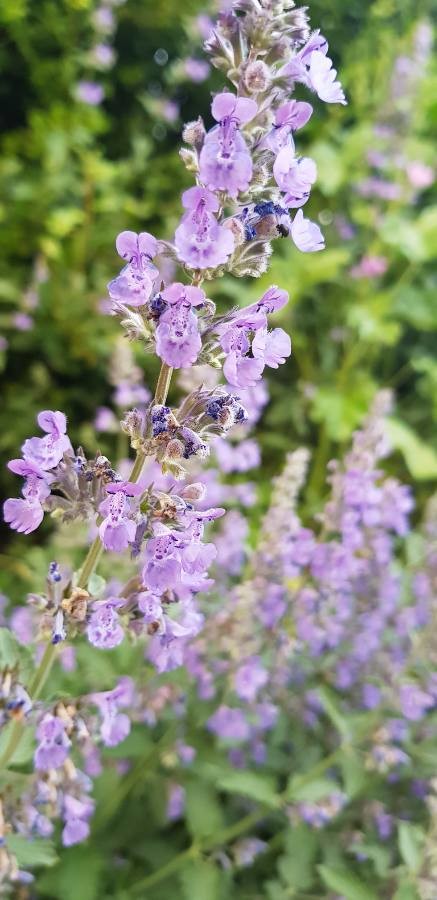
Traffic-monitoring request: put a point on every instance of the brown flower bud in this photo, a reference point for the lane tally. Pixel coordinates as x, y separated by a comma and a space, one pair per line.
257, 77
75, 606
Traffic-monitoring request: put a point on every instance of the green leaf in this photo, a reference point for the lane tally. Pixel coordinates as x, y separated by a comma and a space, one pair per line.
77, 875
250, 784
355, 776
346, 883
411, 838
299, 789
30, 853
14, 654
24, 751
200, 881
420, 458
406, 892
331, 706
202, 809
296, 866
96, 585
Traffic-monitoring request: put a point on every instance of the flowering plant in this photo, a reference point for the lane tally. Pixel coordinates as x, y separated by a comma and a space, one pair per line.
329, 612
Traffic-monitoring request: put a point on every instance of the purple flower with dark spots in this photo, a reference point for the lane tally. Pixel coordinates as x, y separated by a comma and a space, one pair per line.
294, 176
53, 743
134, 284
200, 241
117, 529
177, 336
104, 630
225, 163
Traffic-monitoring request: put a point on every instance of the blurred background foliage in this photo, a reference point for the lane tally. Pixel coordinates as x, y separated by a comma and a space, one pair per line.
73, 175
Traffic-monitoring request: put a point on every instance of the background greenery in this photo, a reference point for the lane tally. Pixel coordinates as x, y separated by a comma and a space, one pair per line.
72, 177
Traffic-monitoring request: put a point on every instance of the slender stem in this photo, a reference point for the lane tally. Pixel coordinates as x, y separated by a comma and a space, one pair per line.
89, 565
35, 688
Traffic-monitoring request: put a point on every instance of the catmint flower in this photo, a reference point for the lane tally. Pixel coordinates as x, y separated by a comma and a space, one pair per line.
134, 284
273, 347
289, 117
249, 679
200, 241
117, 529
175, 802
89, 92
230, 724
225, 163
246, 850
414, 702
306, 234
294, 175
74, 831
48, 451
312, 67
26, 515
53, 743
177, 336
197, 70
104, 630
322, 79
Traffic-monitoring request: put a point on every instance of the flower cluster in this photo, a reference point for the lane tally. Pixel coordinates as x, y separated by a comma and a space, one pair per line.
157, 515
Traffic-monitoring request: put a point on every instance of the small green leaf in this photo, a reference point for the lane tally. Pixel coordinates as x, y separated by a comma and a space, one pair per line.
411, 838
300, 789
296, 866
332, 709
96, 585
346, 883
202, 809
420, 458
29, 853
200, 881
250, 784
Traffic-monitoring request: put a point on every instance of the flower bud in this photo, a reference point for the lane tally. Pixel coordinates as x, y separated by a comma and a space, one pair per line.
194, 491
174, 449
237, 229
257, 77
194, 133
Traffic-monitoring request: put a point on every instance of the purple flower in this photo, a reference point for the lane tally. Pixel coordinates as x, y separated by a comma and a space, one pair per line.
249, 678
414, 702
89, 92
322, 79
273, 347
200, 241
175, 802
74, 831
177, 336
306, 234
104, 630
294, 175
48, 451
312, 67
54, 744
134, 284
225, 163
26, 515
288, 117
196, 69
229, 724
117, 530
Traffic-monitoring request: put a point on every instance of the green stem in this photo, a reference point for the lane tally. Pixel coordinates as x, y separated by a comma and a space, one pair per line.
89, 565
35, 688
